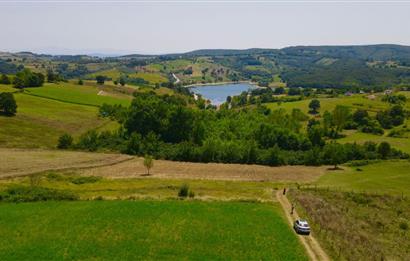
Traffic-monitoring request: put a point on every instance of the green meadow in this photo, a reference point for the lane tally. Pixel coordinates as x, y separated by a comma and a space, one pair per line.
146, 230
40, 121
360, 137
79, 94
328, 104
384, 177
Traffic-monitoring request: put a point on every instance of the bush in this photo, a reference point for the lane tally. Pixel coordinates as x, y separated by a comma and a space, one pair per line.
404, 226
84, 180
8, 104
183, 191
30, 194
65, 141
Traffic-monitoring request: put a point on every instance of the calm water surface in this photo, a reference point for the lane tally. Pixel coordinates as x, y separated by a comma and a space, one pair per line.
217, 93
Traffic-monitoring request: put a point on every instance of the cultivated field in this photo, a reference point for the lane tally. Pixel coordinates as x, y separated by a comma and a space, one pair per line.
149, 230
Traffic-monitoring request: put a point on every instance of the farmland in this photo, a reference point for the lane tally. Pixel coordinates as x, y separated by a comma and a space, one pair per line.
166, 230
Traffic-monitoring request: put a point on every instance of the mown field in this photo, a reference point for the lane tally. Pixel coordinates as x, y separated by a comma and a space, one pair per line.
146, 230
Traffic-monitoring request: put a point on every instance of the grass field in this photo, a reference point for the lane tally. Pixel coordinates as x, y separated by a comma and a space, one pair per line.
328, 104
151, 77
146, 230
402, 144
354, 226
40, 121
79, 94
386, 177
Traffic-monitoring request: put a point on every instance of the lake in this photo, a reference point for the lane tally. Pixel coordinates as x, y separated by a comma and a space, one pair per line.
217, 93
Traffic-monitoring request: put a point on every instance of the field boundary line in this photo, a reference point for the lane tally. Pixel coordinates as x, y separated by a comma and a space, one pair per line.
312, 246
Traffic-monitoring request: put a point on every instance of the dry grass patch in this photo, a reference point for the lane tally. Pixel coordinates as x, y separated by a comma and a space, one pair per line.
208, 171
18, 162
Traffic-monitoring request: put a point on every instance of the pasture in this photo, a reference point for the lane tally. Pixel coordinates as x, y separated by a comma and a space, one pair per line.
149, 230
79, 94
328, 104
39, 122
384, 177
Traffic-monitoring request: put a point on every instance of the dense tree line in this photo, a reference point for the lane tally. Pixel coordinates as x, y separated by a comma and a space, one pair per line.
169, 128
27, 78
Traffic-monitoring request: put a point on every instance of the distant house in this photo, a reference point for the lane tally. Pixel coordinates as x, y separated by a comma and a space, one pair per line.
348, 94
361, 92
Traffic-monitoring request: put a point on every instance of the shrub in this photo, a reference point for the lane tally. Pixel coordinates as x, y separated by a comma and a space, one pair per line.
183, 191
84, 180
8, 104
404, 226
191, 194
30, 194
65, 141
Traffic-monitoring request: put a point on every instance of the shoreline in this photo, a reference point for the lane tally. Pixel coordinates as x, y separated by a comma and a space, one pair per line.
219, 83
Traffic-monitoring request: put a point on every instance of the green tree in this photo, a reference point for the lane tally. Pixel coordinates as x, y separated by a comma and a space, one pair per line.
8, 104
341, 115
100, 79
65, 141
384, 149
51, 76
314, 106
334, 154
26, 78
122, 81
80, 82
148, 163
4, 79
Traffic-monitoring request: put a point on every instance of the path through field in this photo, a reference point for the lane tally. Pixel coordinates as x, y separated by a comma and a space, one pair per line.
313, 248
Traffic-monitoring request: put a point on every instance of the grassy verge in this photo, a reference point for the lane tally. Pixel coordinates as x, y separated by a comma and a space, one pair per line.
91, 187
356, 226
153, 230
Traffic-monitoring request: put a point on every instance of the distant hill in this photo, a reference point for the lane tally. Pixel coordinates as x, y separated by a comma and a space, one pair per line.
355, 66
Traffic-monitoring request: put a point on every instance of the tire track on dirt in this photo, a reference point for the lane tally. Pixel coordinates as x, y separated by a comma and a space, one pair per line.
312, 246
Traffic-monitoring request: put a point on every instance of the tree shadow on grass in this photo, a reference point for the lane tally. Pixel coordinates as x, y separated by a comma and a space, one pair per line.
4, 114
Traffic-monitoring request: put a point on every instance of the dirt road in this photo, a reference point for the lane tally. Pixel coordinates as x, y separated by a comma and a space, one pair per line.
312, 246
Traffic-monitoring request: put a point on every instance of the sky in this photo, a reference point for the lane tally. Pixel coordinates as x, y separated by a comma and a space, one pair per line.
159, 27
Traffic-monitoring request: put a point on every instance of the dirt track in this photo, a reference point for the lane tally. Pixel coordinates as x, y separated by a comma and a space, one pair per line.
312, 246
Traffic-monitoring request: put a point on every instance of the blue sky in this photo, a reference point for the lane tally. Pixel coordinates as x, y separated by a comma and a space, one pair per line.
177, 26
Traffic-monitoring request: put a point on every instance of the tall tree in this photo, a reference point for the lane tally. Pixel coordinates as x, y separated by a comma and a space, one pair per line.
7, 103
314, 106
